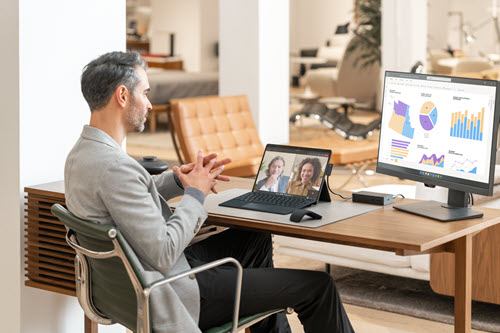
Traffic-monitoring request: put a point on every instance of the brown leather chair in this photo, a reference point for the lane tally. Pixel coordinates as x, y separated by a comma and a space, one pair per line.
217, 124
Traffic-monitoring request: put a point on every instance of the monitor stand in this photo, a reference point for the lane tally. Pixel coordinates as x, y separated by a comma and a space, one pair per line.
456, 209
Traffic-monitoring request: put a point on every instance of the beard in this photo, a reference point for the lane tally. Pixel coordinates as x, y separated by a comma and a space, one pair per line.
134, 117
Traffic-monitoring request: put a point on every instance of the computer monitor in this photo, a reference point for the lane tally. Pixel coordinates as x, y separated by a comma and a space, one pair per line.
440, 130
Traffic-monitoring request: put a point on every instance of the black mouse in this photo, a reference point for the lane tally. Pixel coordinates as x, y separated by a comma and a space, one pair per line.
298, 214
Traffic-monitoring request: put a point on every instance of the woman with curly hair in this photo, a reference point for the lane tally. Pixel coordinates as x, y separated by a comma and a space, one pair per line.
275, 181
307, 174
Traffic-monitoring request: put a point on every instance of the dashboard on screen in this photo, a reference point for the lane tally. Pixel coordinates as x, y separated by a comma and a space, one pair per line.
438, 129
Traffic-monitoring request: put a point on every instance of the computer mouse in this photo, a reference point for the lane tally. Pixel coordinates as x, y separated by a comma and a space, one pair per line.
298, 214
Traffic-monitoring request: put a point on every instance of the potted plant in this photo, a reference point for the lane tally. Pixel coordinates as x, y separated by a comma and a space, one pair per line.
368, 30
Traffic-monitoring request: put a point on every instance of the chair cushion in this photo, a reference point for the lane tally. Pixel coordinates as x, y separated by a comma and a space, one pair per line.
323, 81
421, 263
331, 53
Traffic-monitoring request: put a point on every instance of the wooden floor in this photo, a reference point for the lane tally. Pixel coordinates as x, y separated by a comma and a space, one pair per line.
366, 320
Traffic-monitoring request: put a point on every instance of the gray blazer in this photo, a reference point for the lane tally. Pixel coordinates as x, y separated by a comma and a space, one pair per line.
104, 184
282, 183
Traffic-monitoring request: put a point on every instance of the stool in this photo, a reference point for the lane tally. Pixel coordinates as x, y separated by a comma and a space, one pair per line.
155, 111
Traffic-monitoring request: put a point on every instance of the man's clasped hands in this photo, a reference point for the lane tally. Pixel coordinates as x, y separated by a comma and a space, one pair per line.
204, 173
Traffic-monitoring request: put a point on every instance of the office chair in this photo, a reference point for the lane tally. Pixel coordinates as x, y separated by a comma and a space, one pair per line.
340, 123
110, 284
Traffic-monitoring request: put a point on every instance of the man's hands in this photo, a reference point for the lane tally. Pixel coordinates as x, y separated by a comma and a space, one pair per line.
203, 174
271, 180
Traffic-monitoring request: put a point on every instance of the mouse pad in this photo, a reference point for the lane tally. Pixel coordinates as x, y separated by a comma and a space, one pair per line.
331, 211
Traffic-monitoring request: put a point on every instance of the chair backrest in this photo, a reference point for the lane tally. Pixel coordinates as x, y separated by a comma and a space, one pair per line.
357, 82
217, 124
104, 288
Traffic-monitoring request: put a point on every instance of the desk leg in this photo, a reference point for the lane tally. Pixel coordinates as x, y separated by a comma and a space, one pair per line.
463, 284
90, 326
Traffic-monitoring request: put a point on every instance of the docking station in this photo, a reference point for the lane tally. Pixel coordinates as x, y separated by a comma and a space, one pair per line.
373, 198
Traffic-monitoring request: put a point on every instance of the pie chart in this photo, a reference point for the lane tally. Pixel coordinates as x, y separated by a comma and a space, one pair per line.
428, 116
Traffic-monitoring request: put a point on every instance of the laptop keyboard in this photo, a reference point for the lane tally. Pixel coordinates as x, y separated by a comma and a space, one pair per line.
278, 200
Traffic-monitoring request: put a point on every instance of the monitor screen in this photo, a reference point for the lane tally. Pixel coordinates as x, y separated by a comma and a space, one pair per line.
439, 130
292, 171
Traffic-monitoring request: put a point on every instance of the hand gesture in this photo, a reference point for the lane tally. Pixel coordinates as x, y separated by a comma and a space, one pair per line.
201, 175
271, 180
186, 168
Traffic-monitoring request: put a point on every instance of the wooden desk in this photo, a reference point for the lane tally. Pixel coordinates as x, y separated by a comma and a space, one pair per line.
384, 229
391, 230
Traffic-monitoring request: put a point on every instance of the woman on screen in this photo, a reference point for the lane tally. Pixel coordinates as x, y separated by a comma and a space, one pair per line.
275, 181
307, 174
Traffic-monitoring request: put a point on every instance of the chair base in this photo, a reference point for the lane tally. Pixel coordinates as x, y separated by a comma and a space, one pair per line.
333, 119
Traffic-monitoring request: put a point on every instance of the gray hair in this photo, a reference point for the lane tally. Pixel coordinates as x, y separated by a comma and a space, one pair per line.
271, 163
103, 75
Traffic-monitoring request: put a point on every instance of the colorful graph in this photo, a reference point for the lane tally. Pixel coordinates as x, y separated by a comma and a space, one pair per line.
399, 149
467, 128
428, 116
433, 160
400, 120
465, 166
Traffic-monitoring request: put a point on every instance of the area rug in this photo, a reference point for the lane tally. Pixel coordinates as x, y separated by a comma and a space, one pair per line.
408, 297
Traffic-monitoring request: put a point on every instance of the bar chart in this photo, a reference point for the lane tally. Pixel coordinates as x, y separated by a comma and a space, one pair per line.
399, 149
467, 126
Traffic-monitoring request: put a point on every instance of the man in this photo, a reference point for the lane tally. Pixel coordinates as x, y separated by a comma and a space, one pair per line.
104, 184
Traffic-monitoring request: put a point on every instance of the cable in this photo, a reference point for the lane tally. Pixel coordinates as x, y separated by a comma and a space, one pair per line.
398, 195
471, 199
329, 189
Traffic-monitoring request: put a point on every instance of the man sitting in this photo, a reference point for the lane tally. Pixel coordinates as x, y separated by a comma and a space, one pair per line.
104, 184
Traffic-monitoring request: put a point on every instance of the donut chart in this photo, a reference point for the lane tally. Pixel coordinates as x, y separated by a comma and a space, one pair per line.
428, 116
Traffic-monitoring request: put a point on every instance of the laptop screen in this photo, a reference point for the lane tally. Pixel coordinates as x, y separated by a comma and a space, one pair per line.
292, 171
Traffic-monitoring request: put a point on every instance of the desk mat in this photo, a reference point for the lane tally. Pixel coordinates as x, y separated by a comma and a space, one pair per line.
331, 211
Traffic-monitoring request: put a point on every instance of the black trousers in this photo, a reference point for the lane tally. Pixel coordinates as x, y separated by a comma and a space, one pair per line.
311, 294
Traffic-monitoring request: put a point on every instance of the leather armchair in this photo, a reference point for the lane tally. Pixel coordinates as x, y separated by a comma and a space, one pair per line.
217, 124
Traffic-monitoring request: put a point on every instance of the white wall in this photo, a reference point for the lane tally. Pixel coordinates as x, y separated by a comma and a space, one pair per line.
404, 34
312, 22
209, 35
239, 50
56, 39
183, 19
254, 48
10, 246
274, 25
195, 24
437, 27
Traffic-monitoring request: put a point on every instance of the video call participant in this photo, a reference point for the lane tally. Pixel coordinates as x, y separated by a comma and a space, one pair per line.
104, 184
307, 175
275, 181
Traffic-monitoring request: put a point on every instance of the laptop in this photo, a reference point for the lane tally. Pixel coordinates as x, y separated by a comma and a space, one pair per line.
289, 178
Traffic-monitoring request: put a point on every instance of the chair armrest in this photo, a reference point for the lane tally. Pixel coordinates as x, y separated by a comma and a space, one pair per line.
196, 270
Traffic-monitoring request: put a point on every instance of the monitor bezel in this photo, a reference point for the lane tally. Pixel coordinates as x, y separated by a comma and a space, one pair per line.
454, 183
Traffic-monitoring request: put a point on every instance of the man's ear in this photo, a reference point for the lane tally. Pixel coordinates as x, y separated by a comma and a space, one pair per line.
122, 95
